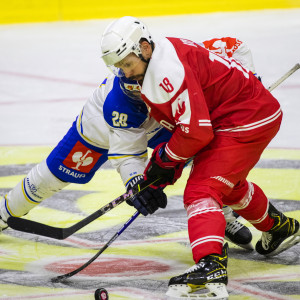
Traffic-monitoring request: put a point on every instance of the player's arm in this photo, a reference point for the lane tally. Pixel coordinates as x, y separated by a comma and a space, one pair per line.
127, 135
128, 152
193, 132
243, 55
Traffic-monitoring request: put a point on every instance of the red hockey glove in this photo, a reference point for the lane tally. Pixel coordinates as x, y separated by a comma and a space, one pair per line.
161, 167
148, 200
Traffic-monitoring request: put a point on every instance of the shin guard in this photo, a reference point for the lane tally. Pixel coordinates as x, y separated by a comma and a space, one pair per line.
38, 185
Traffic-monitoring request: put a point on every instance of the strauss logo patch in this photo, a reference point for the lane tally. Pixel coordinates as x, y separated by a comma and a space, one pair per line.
81, 158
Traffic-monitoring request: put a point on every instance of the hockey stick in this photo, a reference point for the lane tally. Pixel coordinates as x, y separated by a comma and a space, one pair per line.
58, 233
284, 77
65, 276
30, 226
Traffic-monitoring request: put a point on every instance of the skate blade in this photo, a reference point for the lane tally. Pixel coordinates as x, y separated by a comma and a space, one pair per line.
248, 246
217, 291
286, 244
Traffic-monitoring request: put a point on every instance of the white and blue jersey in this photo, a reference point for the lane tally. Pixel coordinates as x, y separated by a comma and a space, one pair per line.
111, 126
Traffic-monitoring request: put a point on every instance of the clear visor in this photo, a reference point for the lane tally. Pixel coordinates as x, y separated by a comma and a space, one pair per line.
126, 66
116, 71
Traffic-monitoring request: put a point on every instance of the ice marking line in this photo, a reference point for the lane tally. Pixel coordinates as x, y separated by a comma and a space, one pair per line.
235, 286
18, 74
41, 101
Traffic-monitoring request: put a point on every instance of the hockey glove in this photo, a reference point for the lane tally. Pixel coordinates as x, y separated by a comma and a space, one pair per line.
148, 200
163, 168
133, 184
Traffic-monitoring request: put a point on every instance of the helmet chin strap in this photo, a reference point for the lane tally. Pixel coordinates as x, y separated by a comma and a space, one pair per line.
143, 59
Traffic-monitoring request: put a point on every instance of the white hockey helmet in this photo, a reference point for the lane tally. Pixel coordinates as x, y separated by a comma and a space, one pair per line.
122, 37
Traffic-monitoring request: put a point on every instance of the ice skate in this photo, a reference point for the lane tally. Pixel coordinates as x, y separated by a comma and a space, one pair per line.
3, 225
236, 232
284, 234
209, 273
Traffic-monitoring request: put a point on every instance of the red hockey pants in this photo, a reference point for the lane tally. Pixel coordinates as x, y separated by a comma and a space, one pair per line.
218, 176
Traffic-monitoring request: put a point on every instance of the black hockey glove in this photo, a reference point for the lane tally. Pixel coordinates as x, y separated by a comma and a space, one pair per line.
148, 200
161, 167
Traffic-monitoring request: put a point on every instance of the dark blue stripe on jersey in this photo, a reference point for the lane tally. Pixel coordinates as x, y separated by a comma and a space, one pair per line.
162, 136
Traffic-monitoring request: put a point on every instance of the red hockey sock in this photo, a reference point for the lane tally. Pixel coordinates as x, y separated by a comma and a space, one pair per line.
254, 208
206, 226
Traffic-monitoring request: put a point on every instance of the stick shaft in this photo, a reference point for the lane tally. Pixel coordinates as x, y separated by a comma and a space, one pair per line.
284, 77
30, 226
115, 236
58, 233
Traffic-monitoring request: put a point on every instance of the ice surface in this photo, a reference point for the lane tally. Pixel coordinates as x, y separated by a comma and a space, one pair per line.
47, 71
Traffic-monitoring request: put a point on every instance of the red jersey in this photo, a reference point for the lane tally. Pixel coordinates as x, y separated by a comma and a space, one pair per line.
196, 94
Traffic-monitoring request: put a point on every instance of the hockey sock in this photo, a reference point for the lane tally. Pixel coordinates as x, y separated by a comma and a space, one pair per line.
254, 208
206, 227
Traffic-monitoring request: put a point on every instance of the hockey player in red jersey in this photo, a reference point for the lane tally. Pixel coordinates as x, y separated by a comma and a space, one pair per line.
101, 131
221, 115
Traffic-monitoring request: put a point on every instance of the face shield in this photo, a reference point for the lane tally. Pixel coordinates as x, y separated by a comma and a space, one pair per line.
116, 71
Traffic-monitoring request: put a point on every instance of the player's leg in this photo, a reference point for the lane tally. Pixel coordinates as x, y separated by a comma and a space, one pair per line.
209, 273
282, 235
215, 176
73, 160
279, 232
206, 228
38, 185
236, 232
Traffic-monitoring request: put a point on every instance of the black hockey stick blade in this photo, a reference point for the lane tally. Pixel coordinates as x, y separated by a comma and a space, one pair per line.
58, 233
70, 274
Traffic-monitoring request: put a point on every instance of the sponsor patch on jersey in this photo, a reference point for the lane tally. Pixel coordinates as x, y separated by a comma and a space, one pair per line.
81, 158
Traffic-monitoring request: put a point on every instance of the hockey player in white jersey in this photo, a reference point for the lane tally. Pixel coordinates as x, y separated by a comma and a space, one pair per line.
114, 124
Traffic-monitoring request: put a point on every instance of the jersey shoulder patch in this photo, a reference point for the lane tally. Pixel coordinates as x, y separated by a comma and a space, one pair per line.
225, 46
120, 111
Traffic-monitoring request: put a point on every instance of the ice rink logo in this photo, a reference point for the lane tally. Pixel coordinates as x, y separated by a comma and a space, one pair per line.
81, 158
